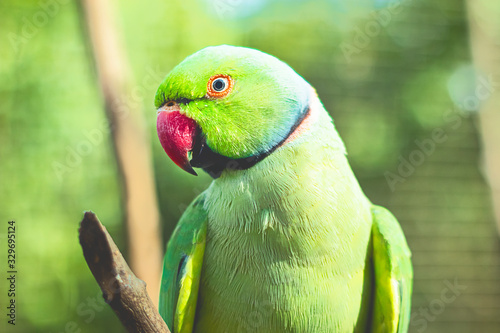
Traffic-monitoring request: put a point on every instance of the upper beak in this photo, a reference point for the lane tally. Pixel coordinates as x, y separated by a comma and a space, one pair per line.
177, 134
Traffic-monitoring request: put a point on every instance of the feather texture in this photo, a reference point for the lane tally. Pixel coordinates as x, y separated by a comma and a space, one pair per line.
287, 241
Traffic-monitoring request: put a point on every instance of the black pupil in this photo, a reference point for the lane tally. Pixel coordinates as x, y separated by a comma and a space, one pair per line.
219, 85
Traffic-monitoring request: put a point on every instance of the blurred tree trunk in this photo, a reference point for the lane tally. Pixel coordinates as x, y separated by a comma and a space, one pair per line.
484, 26
130, 141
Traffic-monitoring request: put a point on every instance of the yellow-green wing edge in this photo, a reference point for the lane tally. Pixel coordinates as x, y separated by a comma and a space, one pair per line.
182, 269
393, 274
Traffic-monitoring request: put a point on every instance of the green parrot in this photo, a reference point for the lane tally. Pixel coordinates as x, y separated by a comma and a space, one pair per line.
283, 239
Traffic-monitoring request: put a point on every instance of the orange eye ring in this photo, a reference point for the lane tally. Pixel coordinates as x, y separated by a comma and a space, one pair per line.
219, 86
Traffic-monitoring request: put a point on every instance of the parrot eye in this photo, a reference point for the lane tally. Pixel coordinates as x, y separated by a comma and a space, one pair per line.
219, 86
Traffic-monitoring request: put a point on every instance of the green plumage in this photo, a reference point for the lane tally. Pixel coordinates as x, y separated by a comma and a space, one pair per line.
290, 244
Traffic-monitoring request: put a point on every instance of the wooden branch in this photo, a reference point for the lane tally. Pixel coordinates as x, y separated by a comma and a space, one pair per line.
121, 289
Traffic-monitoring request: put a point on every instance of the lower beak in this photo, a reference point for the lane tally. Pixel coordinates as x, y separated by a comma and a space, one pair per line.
177, 135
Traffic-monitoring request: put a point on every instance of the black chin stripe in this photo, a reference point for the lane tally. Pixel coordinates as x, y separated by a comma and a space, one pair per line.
214, 164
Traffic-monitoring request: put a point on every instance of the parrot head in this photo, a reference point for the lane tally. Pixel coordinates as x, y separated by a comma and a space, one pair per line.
228, 106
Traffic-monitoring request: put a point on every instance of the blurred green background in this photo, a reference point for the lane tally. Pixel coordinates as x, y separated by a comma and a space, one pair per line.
395, 76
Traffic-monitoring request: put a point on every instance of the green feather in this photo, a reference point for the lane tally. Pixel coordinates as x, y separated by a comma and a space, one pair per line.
393, 274
182, 268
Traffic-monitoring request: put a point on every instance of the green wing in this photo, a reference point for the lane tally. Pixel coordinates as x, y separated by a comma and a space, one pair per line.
182, 269
393, 274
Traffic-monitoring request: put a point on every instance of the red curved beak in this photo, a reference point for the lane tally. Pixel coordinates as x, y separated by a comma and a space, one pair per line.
176, 133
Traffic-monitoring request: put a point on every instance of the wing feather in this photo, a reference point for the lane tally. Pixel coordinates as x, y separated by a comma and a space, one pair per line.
393, 274
182, 269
